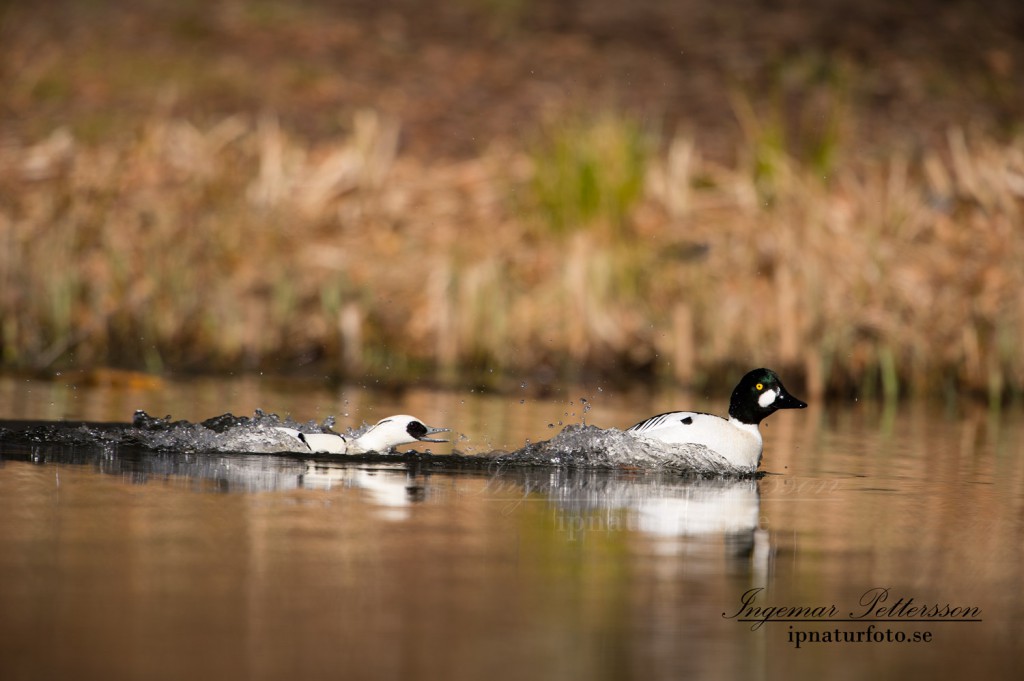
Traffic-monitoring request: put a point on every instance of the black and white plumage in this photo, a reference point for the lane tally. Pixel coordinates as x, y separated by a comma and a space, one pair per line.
737, 439
385, 435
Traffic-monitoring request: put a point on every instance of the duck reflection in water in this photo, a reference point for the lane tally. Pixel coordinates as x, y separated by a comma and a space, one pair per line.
678, 514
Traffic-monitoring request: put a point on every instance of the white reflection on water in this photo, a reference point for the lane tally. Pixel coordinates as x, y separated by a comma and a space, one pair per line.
662, 505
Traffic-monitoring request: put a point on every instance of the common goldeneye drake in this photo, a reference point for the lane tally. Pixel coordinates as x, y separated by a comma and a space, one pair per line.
386, 434
737, 439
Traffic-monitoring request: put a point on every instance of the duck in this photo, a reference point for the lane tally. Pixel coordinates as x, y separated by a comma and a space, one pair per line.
736, 439
383, 436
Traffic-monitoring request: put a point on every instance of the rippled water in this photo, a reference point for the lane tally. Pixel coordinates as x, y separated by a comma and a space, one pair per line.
120, 563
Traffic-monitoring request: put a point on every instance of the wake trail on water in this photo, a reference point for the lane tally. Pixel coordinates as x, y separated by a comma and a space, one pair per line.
576, 446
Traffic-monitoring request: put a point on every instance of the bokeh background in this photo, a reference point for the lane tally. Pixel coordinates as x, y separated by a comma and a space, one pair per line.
474, 192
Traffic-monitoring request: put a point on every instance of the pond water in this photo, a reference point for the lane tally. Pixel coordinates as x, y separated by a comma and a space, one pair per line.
901, 527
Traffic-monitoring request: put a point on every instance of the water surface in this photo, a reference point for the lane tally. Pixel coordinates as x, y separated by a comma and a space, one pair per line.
119, 564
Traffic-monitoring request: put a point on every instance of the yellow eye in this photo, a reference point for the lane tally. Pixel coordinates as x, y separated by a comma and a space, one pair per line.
760, 386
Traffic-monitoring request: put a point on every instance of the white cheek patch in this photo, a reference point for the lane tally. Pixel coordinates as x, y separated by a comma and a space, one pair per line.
767, 399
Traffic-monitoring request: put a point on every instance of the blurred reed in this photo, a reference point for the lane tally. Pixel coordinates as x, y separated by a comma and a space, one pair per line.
596, 247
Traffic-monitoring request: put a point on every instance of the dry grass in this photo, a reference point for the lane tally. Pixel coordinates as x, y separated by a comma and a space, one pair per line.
891, 271
240, 245
290, 186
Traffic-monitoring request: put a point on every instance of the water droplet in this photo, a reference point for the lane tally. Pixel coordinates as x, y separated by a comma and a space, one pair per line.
522, 385
522, 401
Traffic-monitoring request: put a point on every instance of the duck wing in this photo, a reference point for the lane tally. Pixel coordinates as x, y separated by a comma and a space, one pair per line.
684, 427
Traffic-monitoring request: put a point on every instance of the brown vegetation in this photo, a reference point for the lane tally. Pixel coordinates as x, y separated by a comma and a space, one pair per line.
593, 242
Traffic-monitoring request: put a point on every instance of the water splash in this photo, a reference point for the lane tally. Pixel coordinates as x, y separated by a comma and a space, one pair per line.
257, 434
582, 446
226, 433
